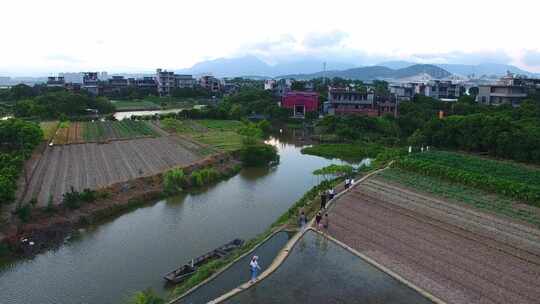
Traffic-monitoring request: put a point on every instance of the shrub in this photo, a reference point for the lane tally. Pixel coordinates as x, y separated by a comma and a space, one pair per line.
204, 177
259, 155
88, 196
73, 199
24, 212
50, 205
146, 297
173, 181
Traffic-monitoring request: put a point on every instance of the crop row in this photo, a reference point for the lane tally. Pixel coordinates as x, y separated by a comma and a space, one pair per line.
529, 193
111, 130
503, 169
95, 165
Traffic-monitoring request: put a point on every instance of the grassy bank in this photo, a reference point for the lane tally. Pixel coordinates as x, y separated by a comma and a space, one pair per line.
456, 192
135, 105
352, 152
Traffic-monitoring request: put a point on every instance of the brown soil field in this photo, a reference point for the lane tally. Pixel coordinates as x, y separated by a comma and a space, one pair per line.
94, 166
457, 254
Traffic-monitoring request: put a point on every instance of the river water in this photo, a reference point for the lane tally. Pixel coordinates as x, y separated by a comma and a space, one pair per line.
108, 262
128, 114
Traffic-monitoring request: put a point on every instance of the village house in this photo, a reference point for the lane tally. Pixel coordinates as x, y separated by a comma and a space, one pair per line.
301, 103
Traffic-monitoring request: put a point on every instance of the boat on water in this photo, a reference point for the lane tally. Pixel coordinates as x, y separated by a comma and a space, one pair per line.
185, 271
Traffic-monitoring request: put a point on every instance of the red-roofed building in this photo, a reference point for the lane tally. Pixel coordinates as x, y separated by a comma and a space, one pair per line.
301, 102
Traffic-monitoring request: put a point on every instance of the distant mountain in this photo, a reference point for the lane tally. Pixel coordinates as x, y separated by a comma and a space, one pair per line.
251, 65
310, 68
484, 69
396, 64
478, 70
428, 69
378, 72
230, 67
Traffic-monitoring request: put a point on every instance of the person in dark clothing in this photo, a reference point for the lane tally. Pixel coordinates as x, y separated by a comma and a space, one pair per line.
302, 220
318, 219
325, 221
323, 199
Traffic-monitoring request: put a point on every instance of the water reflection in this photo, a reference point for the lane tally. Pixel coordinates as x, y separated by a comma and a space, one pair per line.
110, 261
319, 271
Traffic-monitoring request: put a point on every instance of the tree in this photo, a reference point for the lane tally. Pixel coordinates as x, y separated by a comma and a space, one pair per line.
21, 91
473, 91
298, 85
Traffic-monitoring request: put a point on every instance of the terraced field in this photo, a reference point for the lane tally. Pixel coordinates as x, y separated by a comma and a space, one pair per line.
458, 254
93, 165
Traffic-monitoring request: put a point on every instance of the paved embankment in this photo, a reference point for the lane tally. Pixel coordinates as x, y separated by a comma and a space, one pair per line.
457, 254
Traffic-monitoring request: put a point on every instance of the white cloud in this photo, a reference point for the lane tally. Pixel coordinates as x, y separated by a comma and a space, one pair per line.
139, 35
324, 40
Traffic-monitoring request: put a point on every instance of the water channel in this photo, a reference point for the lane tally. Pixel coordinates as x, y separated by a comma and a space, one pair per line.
320, 271
108, 262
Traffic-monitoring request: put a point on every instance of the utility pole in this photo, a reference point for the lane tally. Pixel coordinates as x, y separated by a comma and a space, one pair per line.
324, 73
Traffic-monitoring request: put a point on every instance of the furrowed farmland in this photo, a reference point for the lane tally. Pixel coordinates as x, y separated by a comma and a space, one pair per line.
95, 165
102, 131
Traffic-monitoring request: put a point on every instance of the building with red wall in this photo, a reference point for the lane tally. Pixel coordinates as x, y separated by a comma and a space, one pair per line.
301, 102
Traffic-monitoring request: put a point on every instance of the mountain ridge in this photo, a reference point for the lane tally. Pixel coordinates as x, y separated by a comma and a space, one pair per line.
377, 72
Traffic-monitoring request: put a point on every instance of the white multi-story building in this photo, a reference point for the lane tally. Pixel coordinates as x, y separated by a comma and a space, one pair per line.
511, 89
91, 83
210, 83
168, 81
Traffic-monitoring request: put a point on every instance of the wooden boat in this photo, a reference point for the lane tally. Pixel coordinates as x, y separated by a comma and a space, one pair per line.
180, 274
183, 272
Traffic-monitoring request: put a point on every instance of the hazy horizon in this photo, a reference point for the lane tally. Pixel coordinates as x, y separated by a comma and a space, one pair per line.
45, 38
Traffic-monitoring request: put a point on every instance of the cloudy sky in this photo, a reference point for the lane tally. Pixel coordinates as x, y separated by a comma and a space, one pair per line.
44, 37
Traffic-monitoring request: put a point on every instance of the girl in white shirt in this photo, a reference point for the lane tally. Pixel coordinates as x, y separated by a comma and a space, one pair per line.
254, 267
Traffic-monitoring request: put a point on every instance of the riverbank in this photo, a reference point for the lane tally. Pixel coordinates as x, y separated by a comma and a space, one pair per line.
48, 229
309, 203
134, 250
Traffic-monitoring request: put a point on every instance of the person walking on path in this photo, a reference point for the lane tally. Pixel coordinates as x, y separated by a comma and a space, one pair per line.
302, 220
347, 183
254, 267
330, 193
323, 199
325, 222
318, 219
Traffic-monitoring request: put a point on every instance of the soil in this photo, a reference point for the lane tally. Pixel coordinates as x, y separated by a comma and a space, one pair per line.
457, 254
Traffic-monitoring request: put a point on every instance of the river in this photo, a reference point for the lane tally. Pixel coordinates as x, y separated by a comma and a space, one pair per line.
128, 114
108, 262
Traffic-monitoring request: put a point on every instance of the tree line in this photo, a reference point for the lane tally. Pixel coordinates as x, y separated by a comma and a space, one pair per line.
18, 139
40, 102
502, 131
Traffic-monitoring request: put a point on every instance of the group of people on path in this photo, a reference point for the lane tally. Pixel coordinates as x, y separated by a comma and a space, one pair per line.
321, 221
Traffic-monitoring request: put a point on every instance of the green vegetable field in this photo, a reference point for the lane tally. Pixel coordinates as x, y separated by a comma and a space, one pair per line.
510, 179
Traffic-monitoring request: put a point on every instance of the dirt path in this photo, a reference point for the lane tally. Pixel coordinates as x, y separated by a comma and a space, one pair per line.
456, 254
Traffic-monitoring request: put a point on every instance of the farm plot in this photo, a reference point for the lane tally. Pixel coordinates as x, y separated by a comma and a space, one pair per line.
503, 169
93, 165
513, 180
102, 131
49, 129
457, 254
